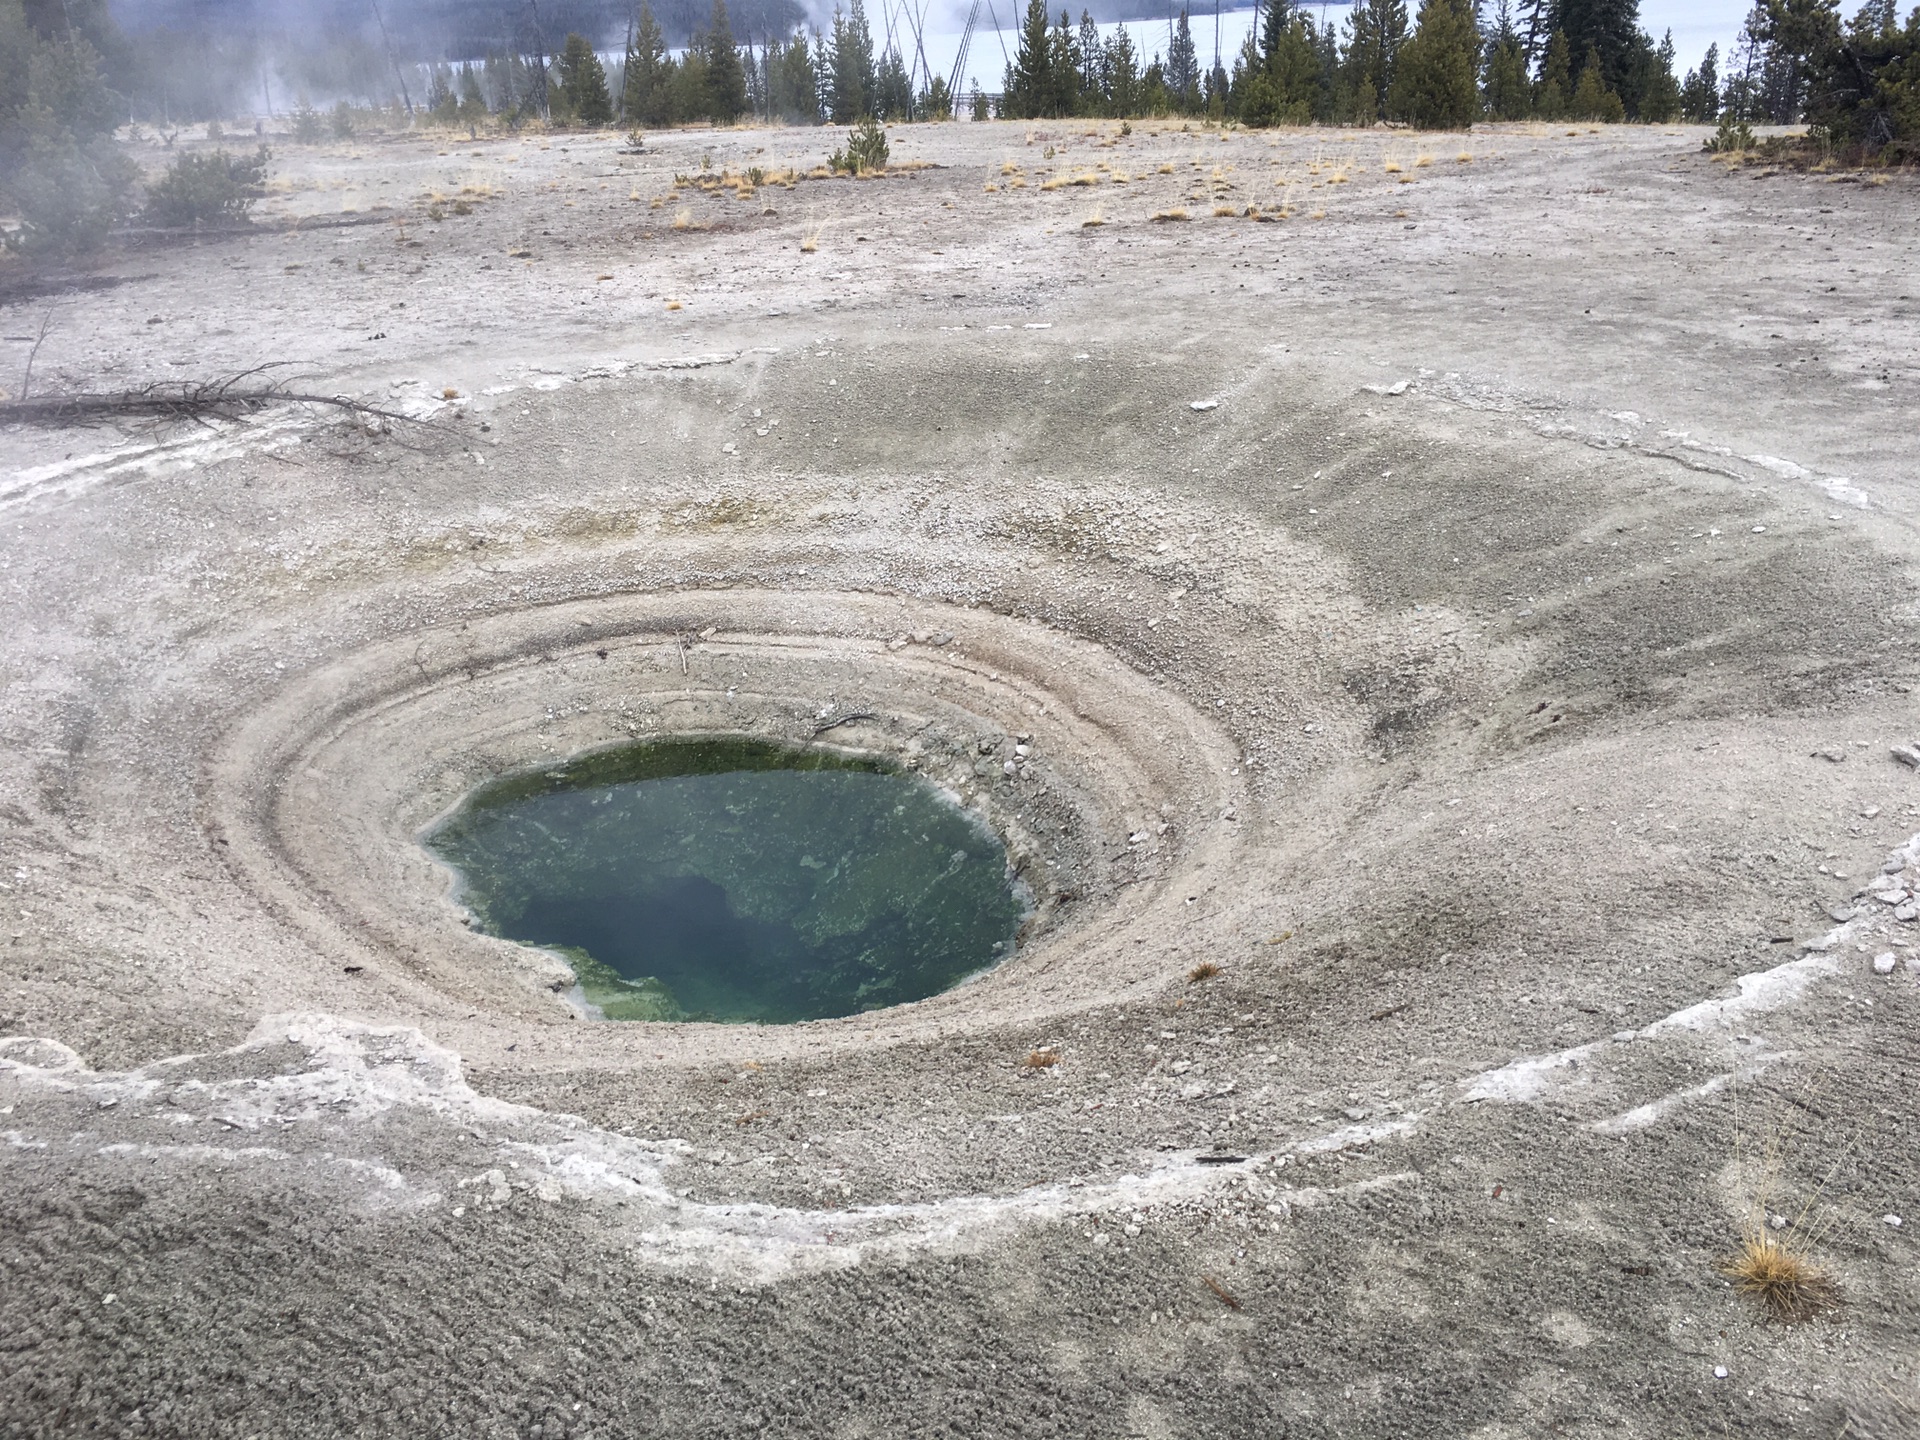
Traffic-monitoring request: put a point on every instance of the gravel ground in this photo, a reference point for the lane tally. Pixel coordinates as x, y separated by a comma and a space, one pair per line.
1475, 611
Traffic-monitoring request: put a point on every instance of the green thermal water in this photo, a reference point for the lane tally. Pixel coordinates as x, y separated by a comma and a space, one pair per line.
737, 881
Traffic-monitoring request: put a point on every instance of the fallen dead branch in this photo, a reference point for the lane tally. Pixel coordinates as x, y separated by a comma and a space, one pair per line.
200, 402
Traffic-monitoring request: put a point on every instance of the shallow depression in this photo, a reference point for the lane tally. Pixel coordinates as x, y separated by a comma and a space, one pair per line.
733, 880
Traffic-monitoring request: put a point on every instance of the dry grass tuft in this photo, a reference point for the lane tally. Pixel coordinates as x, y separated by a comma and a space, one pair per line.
1465, 157
673, 304
1040, 1060
1392, 167
1318, 215
1161, 216
683, 219
1224, 212
1054, 184
1165, 170
991, 188
1776, 1274
1423, 162
1095, 220
1205, 970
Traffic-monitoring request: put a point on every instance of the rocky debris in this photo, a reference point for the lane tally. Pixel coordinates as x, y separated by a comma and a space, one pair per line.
1908, 756
1883, 963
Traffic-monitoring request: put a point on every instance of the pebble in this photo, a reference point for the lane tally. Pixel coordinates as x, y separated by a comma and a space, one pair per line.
1623, 1037
1908, 912
1907, 756
1894, 1220
1883, 963
1203, 404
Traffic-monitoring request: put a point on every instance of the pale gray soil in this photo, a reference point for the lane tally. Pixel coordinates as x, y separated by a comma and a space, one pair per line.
1516, 740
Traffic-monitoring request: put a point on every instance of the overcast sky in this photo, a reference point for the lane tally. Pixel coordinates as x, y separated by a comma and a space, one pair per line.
1696, 24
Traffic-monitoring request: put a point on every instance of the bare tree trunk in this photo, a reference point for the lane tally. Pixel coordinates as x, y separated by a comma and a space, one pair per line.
392, 59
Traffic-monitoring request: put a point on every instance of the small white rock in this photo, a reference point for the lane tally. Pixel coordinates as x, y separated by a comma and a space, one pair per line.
1623, 1037
1759, 529
1883, 963
1894, 1220
1719, 1372
1908, 912
1203, 404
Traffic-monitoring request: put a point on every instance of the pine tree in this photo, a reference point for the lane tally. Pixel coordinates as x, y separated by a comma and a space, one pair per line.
1092, 57
1183, 68
1282, 84
1536, 28
1659, 99
854, 79
1123, 75
1508, 95
1029, 82
1063, 68
726, 80
1556, 80
1795, 33
1612, 27
1592, 100
793, 85
583, 84
1376, 31
1700, 93
1436, 83
1740, 97
1275, 18
893, 92
67, 180
643, 96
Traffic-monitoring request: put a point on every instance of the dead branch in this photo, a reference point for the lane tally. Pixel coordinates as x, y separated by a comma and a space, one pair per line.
46, 323
200, 402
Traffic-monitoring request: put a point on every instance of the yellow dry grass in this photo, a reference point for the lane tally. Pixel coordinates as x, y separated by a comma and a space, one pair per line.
1779, 1277
1164, 215
683, 219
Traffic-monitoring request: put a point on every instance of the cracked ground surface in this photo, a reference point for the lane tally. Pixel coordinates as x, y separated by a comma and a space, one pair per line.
1478, 620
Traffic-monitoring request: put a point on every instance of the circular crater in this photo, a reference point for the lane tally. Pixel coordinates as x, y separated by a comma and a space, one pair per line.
733, 880
1105, 788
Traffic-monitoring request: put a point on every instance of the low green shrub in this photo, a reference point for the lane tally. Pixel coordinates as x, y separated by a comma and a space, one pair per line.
203, 189
866, 149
